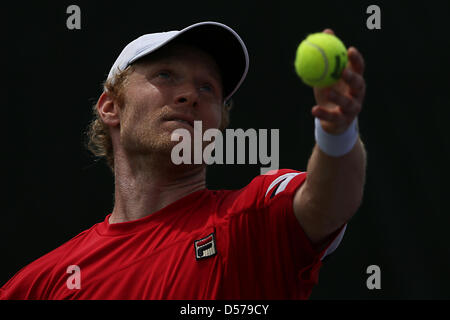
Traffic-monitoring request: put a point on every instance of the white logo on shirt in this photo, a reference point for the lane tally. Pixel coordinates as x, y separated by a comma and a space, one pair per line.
281, 183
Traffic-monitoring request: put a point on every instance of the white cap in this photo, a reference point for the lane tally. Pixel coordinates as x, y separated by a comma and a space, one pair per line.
217, 39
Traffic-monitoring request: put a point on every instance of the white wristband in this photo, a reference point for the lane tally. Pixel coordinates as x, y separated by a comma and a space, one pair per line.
336, 145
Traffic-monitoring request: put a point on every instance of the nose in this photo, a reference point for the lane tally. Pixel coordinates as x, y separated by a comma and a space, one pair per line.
186, 94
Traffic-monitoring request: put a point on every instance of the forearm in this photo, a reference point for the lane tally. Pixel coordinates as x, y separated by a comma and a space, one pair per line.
334, 185
333, 189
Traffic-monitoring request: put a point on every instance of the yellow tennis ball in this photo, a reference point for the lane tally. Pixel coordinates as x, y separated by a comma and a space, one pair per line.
320, 59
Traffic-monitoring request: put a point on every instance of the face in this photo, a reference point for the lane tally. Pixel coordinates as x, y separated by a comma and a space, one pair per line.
167, 91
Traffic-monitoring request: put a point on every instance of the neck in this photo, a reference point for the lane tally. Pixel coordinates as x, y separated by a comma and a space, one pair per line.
142, 188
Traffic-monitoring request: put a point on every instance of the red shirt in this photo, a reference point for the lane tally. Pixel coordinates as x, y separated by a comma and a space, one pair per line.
224, 244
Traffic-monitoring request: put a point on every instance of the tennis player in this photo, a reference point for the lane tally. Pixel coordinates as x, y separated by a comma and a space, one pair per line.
168, 236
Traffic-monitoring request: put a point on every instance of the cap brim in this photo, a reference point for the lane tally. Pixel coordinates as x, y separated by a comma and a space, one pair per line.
223, 44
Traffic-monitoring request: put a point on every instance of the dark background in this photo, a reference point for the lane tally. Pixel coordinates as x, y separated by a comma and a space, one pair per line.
53, 188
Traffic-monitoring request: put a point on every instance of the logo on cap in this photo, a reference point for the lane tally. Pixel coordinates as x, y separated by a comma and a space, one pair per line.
205, 247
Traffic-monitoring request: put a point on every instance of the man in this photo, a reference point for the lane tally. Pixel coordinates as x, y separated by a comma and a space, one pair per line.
168, 237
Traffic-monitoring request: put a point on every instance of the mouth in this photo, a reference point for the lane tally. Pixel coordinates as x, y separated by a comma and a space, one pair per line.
182, 122
180, 119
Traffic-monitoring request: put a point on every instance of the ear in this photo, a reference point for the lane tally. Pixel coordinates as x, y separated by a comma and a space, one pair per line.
108, 110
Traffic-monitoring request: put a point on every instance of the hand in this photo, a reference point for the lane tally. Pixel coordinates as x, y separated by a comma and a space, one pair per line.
338, 105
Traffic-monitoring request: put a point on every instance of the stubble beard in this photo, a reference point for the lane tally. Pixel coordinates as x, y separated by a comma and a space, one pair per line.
147, 142
151, 147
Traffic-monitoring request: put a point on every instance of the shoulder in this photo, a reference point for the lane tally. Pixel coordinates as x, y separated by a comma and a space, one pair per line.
272, 188
271, 184
31, 282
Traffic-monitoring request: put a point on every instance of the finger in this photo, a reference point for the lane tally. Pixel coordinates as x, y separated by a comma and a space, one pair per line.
332, 115
348, 106
328, 30
356, 60
356, 83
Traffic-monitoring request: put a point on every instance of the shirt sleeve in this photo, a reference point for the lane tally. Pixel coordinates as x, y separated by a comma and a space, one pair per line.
26, 284
286, 183
272, 241
32, 282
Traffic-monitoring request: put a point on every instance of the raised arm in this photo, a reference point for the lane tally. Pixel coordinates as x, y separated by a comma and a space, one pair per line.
334, 186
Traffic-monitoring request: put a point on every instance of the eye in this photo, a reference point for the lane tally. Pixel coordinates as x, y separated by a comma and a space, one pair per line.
163, 74
207, 88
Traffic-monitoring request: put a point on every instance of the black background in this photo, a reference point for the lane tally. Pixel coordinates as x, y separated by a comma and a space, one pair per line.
53, 188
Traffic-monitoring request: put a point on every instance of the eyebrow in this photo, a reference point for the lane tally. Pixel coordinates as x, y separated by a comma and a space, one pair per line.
215, 75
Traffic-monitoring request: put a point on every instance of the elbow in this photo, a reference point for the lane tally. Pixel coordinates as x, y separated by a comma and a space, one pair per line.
352, 205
